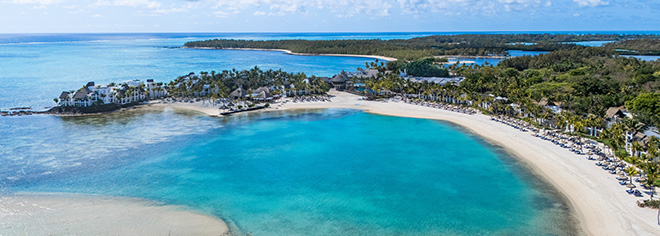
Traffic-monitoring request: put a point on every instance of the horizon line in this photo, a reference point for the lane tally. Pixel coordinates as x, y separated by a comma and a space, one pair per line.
333, 32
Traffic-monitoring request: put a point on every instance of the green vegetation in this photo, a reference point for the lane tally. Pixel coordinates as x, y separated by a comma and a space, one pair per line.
647, 107
643, 46
220, 85
426, 68
583, 82
437, 45
655, 204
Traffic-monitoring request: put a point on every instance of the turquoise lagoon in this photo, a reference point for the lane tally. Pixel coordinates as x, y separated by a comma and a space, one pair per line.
321, 172
314, 172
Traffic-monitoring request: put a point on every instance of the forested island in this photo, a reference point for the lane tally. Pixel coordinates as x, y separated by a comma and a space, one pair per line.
443, 45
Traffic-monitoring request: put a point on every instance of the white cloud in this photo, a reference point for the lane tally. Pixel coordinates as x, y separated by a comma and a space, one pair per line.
259, 13
170, 10
130, 3
341, 8
591, 3
220, 14
97, 15
458, 7
40, 2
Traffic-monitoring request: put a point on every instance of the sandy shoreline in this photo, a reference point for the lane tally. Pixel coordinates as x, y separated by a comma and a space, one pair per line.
73, 214
601, 205
305, 54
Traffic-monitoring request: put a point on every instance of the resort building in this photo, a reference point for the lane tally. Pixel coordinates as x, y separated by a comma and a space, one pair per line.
128, 92
340, 81
364, 74
156, 90
437, 80
617, 113
238, 93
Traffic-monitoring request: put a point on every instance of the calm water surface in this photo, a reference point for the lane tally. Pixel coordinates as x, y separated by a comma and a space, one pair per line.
318, 172
35, 72
330, 172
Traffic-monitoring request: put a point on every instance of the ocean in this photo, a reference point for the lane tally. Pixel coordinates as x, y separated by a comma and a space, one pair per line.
270, 173
35, 68
314, 172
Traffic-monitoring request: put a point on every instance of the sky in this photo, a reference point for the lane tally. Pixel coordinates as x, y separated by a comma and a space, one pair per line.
109, 16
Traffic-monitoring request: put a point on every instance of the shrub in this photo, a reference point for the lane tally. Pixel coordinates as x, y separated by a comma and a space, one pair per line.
652, 203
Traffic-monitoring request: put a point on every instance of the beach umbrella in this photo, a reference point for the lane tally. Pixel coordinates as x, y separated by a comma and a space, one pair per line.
631, 186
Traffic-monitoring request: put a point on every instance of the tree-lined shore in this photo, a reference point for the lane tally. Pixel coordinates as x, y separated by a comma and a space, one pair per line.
441, 45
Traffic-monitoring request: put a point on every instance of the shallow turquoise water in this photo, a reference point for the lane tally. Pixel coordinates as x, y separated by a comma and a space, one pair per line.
331, 172
320, 172
33, 73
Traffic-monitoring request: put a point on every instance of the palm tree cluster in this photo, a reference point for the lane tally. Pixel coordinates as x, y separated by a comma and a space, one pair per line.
597, 80
220, 85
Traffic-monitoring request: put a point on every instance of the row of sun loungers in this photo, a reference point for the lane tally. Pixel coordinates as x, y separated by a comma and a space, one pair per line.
312, 99
515, 123
464, 110
607, 162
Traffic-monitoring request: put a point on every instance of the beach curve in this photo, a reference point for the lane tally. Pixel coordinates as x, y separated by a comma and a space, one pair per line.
302, 54
601, 205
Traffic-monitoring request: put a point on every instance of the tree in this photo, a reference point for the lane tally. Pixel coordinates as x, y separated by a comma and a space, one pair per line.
646, 107
631, 171
652, 173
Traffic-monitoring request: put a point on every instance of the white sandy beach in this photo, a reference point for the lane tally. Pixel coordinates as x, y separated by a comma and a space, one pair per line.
69, 214
307, 54
601, 205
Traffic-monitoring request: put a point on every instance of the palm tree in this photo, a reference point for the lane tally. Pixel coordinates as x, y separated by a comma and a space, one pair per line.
636, 147
652, 171
631, 171
631, 127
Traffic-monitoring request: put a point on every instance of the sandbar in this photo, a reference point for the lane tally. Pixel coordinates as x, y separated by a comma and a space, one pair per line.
74, 214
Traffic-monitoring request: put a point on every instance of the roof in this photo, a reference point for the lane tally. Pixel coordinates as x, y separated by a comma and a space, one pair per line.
615, 111
64, 95
82, 93
371, 73
239, 92
542, 102
340, 78
90, 84
558, 104
262, 92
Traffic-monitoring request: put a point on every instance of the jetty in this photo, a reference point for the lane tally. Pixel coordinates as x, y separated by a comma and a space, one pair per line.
243, 110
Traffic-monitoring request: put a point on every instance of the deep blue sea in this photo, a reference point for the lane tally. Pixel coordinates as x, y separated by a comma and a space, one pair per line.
320, 172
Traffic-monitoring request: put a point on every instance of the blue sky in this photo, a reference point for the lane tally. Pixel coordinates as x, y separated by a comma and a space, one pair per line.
63, 16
